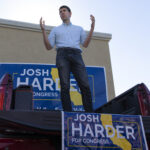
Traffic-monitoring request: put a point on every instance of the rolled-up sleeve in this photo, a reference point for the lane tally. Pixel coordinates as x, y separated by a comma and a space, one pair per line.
52, 38
82, 36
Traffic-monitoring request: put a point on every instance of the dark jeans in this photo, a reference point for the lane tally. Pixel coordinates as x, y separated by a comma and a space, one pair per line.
70, 60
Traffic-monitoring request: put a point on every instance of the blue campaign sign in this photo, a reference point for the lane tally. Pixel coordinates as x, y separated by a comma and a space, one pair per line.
93, 131
46, 87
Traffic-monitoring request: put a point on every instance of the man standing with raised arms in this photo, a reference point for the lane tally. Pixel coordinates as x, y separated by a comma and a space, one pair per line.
67, 38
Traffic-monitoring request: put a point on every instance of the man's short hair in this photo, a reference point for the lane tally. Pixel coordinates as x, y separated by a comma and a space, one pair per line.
64, 6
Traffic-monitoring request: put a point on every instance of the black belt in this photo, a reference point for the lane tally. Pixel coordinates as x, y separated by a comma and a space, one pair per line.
69, 49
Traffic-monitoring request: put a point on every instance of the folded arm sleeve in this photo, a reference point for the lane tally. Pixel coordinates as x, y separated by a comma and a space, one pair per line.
82, 36
52, 38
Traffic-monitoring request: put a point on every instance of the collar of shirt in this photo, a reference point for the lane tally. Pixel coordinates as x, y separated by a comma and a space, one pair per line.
65, 24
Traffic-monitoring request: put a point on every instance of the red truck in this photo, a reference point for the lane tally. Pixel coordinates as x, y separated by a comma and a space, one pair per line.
41, 130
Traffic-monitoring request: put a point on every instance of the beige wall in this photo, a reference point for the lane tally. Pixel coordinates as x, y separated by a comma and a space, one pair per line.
23, 42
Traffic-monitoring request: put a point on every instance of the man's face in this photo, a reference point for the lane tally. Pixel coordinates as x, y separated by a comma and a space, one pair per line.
64, 14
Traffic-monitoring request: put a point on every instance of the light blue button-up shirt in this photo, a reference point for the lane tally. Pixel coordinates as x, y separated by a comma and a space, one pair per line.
67, 35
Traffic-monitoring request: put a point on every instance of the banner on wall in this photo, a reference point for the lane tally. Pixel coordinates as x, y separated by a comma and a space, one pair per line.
46, 88
92, 131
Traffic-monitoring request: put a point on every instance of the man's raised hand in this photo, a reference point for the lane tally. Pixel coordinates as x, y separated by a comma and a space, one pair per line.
42, 24
93, 21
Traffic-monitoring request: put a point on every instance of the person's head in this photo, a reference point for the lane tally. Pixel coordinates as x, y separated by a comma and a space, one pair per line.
65, 13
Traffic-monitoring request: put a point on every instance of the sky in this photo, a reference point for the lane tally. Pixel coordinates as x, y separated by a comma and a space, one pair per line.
128, 21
